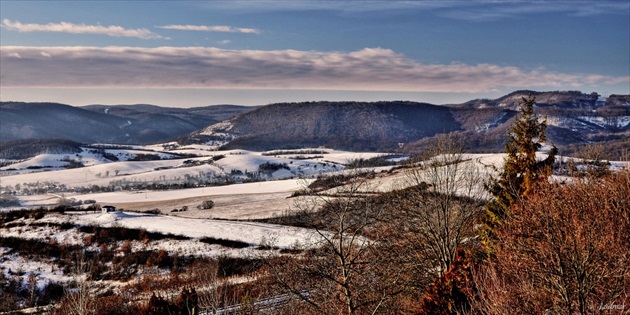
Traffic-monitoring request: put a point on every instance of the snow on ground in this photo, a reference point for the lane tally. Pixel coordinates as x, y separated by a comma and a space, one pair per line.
69, 237
249, 232
254, 234
87, 156
399, 179
42, 271
239, 189
238, 201
618, 122
101, 172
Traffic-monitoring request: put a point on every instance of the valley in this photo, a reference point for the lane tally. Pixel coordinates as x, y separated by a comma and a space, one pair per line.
236, 207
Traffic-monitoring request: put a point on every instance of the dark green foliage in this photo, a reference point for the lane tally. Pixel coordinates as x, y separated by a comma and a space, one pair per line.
371, 162
521, 170
297, 152
72, 163
324, 182
7, 200
145, 157
218, 157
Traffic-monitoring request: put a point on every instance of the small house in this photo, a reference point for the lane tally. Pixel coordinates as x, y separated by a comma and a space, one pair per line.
108, 209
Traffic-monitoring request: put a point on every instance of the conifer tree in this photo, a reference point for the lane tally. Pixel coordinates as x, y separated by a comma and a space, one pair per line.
521, 169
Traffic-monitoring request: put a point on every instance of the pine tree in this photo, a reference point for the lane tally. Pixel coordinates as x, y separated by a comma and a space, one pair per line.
521, 169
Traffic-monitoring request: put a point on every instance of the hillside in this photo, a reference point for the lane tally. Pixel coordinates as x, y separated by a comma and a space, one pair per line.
130, 124
342, 125
558, 99
573, 118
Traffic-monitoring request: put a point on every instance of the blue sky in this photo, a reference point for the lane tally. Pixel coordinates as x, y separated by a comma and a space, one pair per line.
195, 53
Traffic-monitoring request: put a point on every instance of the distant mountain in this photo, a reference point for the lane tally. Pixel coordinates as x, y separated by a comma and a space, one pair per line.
342, 125
128, 124
573, 118
556, 99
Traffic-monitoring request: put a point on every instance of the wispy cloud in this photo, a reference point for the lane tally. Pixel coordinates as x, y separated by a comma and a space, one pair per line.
370, 69
472, 10
490, 11
214, 28
65, 27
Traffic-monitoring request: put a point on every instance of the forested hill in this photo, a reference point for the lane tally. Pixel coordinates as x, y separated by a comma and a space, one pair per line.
128, 124
343, 125
573, 118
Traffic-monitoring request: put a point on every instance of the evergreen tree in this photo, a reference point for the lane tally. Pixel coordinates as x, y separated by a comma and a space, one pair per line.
521, 169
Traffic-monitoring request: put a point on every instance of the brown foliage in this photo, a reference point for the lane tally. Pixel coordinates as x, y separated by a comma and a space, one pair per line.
565, 250
185, 304
450, 293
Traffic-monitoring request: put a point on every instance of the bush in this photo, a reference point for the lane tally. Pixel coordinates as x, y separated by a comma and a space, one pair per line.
223, 242
9, 201
207, 204
154, 211
269, 167
234, 266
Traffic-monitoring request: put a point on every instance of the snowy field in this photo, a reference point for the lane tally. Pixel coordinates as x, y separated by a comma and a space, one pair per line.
271, 196
101, 171
267, 197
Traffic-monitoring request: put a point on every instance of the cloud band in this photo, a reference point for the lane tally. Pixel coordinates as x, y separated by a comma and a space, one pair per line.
370, 69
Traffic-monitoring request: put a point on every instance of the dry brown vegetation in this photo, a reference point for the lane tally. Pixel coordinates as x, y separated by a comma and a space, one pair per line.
565, 250
552, 248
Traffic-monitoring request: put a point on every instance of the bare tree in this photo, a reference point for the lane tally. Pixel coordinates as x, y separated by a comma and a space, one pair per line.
348, 270
438, 212
79, 300
211, 289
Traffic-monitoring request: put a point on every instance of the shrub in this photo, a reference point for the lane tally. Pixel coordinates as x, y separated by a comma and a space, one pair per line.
154, 211
223, 242
207, 204
234, 266
9, 201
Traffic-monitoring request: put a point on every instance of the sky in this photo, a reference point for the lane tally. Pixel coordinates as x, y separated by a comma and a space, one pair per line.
256, 52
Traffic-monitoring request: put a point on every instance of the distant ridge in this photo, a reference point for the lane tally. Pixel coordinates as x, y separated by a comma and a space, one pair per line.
342, 125
126, 124
573, 118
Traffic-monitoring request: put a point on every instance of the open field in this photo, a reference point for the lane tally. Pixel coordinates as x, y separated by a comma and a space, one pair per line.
169, 222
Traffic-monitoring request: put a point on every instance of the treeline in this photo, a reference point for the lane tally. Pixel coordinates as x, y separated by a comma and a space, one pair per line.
23, 149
